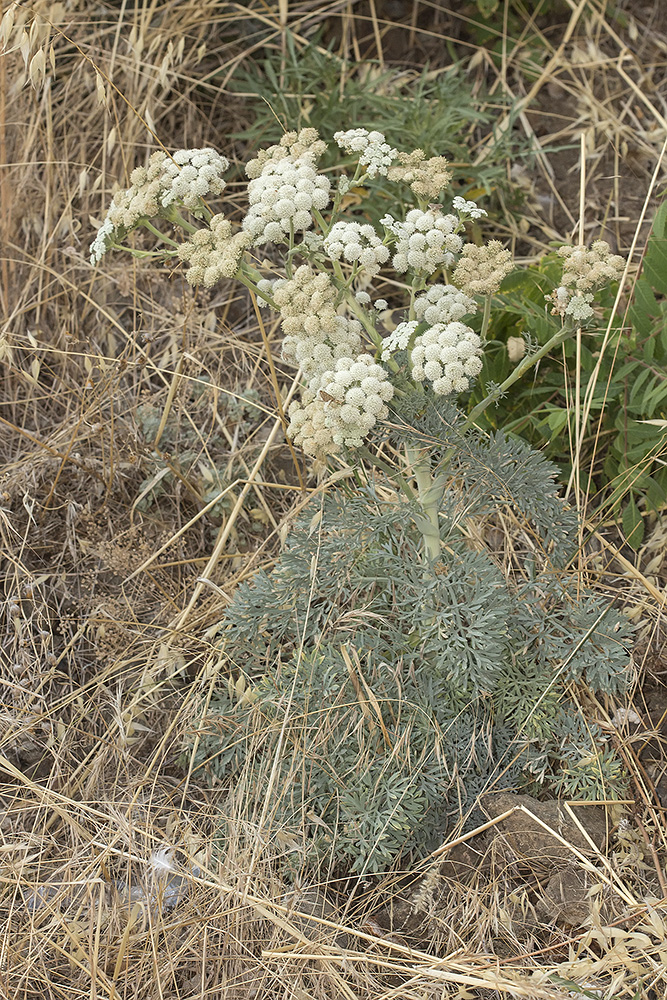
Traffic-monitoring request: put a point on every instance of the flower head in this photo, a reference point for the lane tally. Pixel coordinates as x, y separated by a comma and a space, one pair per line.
315, 335
427, 178
584, 271
186, 178
467, 209
444, 304
357, 244
587, 270
448, 355
425, 241
213, 253
399, 339
376, 153
285, 187
481, 269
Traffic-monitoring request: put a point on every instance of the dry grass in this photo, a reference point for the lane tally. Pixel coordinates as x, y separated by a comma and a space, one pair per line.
135, 493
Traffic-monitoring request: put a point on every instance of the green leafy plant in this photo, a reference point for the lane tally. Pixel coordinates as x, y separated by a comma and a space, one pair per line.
622, 383
386, 672
310, 86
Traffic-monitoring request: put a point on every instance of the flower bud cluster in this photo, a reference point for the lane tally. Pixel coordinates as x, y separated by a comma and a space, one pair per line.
427, 178
587, 270
352, 397
425, 241
357, 244
398, 339
444, 304
448, 355
584, 271
285, 187
376, 153
186, 178
346, 391
315, 335
481, 270
213, 253
308, 426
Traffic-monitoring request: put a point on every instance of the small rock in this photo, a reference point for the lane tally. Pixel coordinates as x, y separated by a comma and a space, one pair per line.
566, 899
529, 845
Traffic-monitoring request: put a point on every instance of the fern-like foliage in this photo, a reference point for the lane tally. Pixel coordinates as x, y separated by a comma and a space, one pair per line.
370, 700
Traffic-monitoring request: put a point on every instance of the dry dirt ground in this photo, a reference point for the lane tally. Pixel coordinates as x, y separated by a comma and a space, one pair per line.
127, 405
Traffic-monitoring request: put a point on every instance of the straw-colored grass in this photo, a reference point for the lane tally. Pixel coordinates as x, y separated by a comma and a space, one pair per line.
136, 492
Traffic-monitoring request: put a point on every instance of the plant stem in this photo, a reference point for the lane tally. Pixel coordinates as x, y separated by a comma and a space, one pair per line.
156, 232
429, 498
485, 317
528, 362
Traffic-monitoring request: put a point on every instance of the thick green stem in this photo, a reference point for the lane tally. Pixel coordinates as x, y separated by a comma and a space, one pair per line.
429, 499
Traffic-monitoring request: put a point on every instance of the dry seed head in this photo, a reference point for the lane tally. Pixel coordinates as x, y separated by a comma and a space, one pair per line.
427, 178
481, 270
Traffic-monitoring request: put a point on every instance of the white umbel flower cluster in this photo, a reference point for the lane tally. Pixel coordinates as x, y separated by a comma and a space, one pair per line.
584, 271
346, 391
352, 397
213, 253
398, 339
356, 244
308, 427
425, 241
315, 335
186, 178
285, 187
480, 270
448, 355
191, 175
376, 153
444, 304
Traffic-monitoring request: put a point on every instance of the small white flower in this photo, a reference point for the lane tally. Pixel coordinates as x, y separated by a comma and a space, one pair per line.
467, 209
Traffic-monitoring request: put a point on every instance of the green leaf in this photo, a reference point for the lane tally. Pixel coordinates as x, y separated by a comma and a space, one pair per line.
655, 495
660, 221
644, 307
640, 388
633, 525
557, 420
655, 397
655, 264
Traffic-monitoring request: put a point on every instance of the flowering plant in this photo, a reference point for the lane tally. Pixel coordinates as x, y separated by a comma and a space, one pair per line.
354, 360
386, 672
